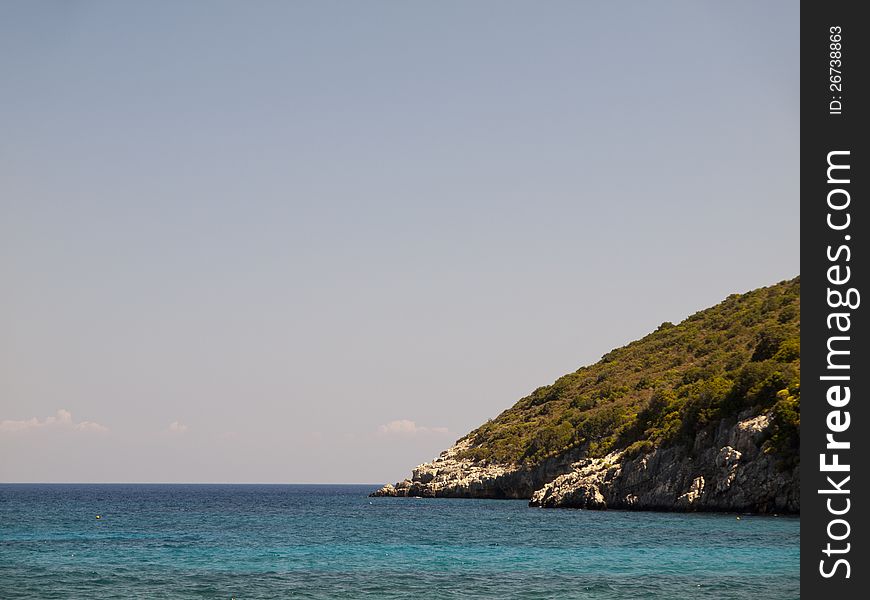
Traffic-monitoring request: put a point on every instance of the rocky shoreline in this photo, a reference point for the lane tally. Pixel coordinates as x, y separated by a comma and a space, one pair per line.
725, 470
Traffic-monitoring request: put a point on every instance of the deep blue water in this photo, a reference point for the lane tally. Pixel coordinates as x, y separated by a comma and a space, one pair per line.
283, 541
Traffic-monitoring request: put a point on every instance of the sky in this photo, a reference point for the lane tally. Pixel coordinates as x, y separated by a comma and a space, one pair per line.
320, 241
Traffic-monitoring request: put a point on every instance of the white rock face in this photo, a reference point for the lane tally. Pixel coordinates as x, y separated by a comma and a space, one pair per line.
714, 475
693, 494
449, 476
724, 471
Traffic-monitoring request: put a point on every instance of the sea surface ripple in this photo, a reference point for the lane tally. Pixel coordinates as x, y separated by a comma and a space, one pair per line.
332, 541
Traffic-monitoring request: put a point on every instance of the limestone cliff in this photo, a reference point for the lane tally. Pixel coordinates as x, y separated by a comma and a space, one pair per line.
452, 476
724, 471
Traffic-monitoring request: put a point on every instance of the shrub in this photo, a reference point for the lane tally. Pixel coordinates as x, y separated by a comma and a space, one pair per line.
637, 448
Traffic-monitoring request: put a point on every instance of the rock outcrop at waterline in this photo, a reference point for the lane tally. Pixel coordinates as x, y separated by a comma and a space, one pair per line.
730, 472
727, 472
703, 416
452, 476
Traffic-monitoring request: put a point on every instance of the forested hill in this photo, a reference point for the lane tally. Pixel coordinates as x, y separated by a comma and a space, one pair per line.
743, 353
703, 415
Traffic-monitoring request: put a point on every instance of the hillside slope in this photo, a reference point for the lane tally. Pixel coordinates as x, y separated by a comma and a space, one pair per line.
703, 415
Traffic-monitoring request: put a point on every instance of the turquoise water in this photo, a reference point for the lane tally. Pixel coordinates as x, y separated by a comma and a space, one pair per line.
290, 541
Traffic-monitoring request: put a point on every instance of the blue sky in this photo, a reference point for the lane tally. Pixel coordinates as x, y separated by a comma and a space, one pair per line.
320, 241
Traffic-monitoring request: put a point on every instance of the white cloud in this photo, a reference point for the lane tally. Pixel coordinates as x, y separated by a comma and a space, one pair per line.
61, 420
406, 427
176, 427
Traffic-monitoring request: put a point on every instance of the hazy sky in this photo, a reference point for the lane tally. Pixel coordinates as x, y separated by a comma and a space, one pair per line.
320, 241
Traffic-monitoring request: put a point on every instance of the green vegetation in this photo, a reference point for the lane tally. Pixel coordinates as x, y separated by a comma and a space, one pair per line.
741, 356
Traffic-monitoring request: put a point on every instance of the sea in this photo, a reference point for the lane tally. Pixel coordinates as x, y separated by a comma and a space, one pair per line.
333, 541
